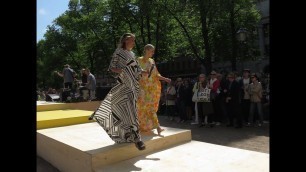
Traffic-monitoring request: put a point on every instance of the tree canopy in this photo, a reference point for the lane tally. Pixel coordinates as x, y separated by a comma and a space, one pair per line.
87, 33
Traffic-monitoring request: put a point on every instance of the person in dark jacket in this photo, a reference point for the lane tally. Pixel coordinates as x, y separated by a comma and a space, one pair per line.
244, 83
181, 102
232, 100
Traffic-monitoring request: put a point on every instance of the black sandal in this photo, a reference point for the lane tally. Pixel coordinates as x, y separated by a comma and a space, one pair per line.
140, 145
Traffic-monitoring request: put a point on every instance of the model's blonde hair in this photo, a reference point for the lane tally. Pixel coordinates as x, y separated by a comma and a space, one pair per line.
148, 47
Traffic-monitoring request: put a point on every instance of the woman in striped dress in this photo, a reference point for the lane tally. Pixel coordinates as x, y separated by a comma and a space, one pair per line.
117, 113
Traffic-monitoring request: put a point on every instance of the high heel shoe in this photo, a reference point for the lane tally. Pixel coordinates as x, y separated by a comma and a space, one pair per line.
159, 130
140, 145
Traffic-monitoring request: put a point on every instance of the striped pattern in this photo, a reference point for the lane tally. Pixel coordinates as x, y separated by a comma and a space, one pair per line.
117, 114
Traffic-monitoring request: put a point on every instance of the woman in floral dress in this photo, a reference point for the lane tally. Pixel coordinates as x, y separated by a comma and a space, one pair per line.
150, 91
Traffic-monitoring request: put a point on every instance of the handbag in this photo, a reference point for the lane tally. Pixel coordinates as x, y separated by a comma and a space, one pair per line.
170, 97
204, 96
195, 96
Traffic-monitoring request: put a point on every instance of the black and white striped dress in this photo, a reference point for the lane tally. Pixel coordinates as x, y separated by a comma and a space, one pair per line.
117, 113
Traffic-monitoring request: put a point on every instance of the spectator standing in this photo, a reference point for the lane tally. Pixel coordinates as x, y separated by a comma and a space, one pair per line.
244, 83
255, 92
68, 74
170, 100
232, 101
91, 84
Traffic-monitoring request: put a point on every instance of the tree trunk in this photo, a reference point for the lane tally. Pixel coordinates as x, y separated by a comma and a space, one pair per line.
157, 36
148, 26
91, 61
205, 30
233, 36
186, 33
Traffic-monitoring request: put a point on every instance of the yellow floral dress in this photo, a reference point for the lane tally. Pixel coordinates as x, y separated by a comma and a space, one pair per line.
149, 95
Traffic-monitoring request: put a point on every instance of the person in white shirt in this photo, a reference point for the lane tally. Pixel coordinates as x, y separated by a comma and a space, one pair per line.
244, 83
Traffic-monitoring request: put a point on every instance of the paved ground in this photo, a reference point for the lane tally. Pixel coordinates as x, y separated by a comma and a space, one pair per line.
249, 138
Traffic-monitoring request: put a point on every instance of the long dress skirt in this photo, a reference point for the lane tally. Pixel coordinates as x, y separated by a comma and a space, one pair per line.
117, 114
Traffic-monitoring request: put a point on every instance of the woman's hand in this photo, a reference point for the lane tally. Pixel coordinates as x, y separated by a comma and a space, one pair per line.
168, 80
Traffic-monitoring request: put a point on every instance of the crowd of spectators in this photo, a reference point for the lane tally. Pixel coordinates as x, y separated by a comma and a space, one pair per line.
238, 99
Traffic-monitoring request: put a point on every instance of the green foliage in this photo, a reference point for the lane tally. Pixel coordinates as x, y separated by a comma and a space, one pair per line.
87, 33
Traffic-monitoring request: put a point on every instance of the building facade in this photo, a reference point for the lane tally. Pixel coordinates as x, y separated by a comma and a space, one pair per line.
264, 28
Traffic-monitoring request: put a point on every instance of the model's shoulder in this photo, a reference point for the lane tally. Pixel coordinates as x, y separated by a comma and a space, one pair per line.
151, 60
118, 50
